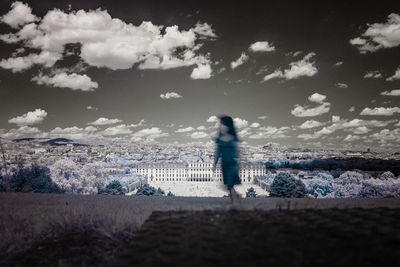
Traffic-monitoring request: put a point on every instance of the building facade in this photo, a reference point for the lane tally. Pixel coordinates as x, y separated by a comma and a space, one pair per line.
161, 173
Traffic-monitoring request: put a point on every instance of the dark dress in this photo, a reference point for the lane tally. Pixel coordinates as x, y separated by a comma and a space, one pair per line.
229, 154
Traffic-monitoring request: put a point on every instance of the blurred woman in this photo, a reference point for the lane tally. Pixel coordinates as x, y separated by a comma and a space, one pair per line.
227, 150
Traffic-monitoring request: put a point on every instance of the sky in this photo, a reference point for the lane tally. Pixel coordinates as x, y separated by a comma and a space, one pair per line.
297, 74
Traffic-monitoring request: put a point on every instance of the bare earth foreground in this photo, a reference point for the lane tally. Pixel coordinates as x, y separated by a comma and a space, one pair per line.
65, 230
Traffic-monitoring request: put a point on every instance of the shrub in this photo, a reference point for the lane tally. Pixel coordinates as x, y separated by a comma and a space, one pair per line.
269, 177
348, 184
148, 190
380, 188
270, 165
251, 192
113, 188
34, 179
387, 176
320, 186
170, 194
160, 192
336, 173
285, 185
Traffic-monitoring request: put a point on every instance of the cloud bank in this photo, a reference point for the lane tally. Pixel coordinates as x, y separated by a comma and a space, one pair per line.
30, 118
104, 42
303, 67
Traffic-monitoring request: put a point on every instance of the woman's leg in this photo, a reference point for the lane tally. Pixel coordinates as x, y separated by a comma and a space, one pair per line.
236, 193
231, 194
235, 196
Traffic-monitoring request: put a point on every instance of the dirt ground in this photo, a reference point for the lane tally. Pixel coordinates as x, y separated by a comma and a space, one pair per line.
102, 230
308, 237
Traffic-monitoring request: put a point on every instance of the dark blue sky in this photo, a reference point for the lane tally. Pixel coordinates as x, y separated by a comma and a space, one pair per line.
110, 70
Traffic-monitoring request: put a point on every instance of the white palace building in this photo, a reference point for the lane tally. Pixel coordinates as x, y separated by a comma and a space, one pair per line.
195, 175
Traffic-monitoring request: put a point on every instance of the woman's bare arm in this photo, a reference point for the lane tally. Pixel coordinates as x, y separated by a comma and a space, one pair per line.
216, 156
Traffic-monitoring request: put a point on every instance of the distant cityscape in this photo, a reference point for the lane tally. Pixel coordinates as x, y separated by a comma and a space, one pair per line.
130, 153
160, 165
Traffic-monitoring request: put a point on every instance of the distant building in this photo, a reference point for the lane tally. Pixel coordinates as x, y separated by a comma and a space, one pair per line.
160, 173
353, 154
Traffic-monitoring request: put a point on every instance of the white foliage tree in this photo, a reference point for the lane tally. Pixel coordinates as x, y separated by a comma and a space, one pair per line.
320, 186
386, 186
76, 178
348, 184
269, 177
387, 176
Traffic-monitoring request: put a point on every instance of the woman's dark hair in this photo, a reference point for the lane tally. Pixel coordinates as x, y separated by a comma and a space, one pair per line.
228, 122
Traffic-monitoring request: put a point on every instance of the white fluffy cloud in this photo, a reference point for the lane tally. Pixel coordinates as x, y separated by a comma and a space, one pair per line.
198, 135
270, 132
375, 74
305, 111
184, 130
202, 71
169, 95
356, 126
359, 130
255, 125
342, 85
212, 119
380, 111
74, 132
303, 67
379, 35
311, 124
351, 138
105, 121
241, 60
64, 80
121, 129
276, 74
300, 111
395, 76
19, 15
17, 64
30, 118
317, 98
111, 42
204, 30
240, 123
23, 131
263, 46
295, 54
149, 134
395, 92
335, 118
244, 132
386, 135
